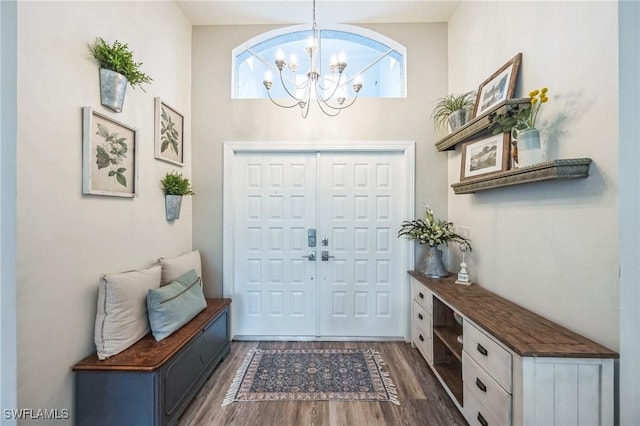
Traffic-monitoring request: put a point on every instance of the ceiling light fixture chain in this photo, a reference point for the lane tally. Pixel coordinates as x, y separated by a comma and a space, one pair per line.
310, 86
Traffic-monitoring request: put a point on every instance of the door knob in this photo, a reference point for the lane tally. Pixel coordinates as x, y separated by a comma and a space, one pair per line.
311, 256
325, 255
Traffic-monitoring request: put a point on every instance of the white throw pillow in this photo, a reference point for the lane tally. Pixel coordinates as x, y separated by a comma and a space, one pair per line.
175, 267
121, 318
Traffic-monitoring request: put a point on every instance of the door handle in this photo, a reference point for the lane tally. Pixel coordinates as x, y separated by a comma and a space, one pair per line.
325, 255
311, 256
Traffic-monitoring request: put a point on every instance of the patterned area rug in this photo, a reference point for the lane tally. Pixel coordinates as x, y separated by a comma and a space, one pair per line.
312, 374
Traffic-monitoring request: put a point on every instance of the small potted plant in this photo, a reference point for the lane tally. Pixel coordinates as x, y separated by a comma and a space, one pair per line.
117, 68
433, 232
175, 186
453, 109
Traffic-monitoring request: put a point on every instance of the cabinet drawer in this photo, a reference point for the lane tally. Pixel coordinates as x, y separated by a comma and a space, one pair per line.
485, 389
488, 354
476, 413
421, 317
420, 294
423, 342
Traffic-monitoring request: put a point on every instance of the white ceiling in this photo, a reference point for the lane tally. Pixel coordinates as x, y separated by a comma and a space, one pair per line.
245, 12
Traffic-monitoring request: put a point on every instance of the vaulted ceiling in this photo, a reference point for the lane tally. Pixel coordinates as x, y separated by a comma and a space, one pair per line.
245, 12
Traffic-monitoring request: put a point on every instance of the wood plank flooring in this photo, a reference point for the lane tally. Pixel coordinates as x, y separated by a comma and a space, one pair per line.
423, 401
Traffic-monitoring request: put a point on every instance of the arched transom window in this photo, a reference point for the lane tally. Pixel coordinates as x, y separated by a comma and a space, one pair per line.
378, 60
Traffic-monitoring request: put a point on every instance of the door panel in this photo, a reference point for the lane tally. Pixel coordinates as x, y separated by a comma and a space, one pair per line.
275, 287
362, 203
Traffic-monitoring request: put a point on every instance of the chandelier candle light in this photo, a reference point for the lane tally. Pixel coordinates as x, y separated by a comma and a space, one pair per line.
330, 98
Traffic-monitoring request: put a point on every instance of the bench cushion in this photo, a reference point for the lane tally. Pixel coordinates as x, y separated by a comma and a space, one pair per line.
172, 306
121, 316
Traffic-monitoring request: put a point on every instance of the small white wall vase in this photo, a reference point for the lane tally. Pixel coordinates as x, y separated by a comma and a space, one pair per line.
529, 150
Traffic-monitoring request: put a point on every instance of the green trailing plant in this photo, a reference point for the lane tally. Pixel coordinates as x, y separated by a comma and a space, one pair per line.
432, 231
517, 117
111, 154
168, 133
119, 58
444, 107
175, 184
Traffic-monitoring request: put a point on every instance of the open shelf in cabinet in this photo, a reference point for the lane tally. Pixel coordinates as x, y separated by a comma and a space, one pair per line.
447, 351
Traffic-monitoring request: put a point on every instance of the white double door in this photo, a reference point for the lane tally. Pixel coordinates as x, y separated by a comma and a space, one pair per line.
316, 252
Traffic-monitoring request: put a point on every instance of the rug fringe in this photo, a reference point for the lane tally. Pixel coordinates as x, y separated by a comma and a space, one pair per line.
386, 378
237, 379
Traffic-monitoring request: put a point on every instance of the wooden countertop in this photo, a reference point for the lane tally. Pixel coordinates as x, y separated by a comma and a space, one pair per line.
524, 332
147, 354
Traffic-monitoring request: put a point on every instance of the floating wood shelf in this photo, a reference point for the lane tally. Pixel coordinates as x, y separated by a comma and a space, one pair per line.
478, 126
549, 170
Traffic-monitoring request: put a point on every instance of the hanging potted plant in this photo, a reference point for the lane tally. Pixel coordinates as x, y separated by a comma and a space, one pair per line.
117, 68
453, 109
175, 186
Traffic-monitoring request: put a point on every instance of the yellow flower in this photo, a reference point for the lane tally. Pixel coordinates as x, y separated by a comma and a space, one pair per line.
533, 93
543, 99
534, 100
544, 90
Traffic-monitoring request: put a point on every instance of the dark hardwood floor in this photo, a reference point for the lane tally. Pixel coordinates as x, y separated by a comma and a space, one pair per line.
423, 401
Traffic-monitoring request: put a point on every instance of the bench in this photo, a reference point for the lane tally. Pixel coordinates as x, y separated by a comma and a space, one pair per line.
151, 383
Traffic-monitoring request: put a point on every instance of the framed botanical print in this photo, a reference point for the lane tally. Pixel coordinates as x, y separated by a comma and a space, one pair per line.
109, 156
169, 133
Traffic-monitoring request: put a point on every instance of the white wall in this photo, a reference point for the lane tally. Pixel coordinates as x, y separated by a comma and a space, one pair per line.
66, 240
629, 17
217, 118
8, 95
551, 247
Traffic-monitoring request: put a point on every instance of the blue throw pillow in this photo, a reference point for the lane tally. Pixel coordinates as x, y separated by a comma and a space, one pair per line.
172, 306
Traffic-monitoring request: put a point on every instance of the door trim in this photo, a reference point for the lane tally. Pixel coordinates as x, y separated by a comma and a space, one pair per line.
231, 148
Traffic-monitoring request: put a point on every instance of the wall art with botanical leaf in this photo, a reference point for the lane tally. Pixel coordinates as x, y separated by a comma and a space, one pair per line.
109, 156
169, 133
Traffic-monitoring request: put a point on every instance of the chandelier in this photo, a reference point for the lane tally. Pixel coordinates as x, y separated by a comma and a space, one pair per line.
329, 90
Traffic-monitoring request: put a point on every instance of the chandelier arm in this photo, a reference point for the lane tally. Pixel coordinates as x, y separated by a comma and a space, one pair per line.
335, 89
305, 110
287, 89
322, 104
281, 105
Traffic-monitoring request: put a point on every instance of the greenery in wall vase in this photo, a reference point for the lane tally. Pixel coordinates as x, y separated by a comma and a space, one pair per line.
119, 58
174, 183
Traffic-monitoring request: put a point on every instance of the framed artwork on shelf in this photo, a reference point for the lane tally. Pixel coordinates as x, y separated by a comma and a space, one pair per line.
485, 156
499, 86
169, 133
109, 156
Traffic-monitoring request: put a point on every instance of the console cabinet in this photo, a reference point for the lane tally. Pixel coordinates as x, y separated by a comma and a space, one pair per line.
502, 364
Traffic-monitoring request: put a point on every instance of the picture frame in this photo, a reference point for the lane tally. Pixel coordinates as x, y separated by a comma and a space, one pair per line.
498, 87
109, 156
169, 133
485, 156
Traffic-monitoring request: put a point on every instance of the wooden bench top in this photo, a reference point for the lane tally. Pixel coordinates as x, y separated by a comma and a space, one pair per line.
524, 332
147, 354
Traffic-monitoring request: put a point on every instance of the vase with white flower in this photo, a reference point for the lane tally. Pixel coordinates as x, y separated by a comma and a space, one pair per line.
521, 122
432, 231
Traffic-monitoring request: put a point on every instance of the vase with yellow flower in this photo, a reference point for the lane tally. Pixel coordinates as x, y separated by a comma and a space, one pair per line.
521, 122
